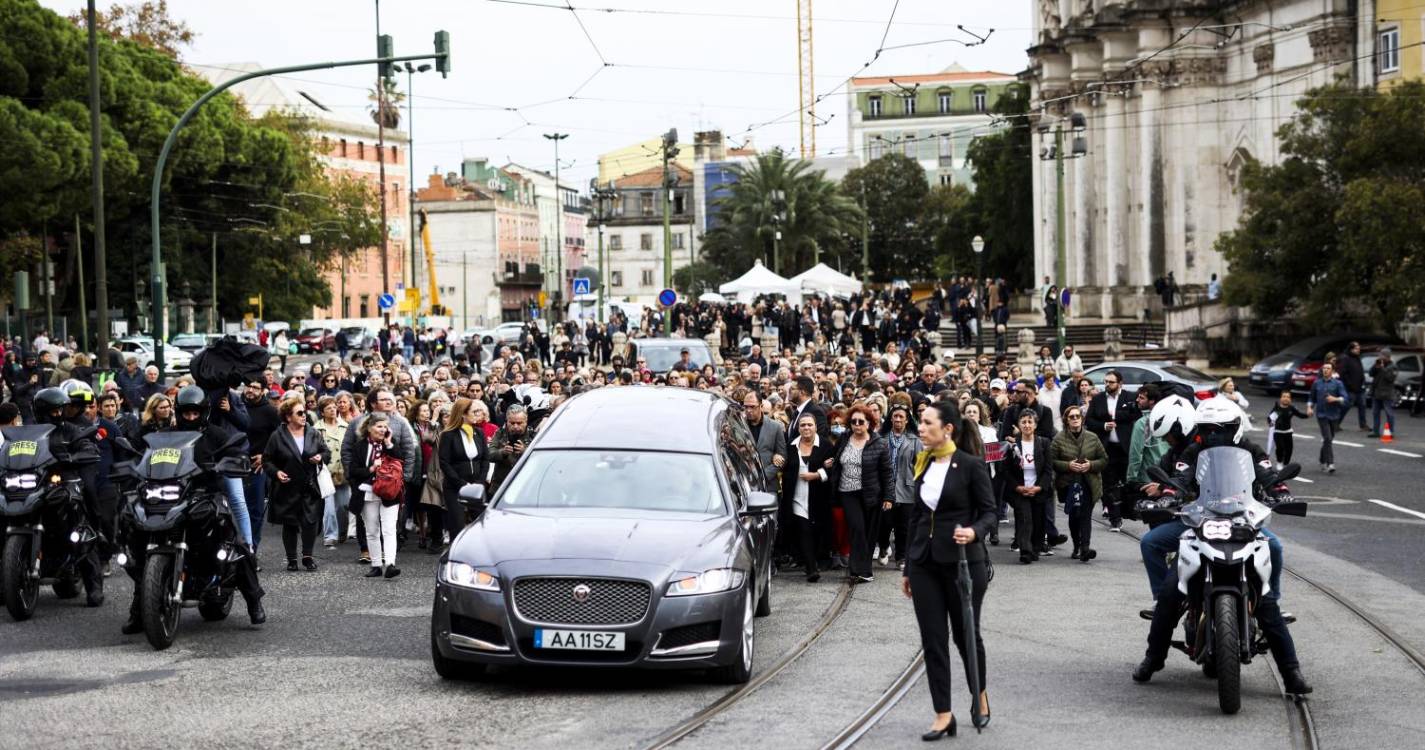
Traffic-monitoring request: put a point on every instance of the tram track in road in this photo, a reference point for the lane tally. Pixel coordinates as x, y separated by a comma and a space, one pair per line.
695, 722
888, 699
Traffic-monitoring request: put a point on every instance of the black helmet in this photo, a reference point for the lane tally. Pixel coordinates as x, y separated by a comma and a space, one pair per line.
192, 398
48, 400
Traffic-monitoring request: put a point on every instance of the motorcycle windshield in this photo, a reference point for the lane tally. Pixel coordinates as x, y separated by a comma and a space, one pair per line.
169, 456
26, 447
1224, 480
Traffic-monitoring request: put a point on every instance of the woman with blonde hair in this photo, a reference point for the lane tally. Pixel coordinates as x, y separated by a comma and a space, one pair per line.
157, 415
464, 459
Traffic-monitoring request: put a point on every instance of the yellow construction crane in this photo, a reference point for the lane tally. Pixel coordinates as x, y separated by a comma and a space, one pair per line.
806, 80
433, 299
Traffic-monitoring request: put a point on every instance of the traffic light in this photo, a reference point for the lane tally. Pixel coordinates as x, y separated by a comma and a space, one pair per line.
442, 51
385, 47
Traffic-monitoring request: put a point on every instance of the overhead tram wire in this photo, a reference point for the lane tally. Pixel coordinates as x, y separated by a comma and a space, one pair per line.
708, 14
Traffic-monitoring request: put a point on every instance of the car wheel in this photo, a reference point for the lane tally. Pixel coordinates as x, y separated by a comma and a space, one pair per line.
740, 670
764, 602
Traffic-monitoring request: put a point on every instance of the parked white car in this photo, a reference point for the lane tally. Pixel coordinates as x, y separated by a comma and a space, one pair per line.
175, 360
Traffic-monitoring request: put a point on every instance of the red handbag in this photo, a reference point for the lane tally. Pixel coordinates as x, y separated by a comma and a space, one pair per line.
389, 482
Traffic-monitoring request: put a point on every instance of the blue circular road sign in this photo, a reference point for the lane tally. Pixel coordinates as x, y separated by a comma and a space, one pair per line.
386, 301
667, 298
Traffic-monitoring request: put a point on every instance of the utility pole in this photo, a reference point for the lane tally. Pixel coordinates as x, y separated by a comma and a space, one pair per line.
558, 229
213, 304
865, 238
411, 70
1060, 253
47, 278
779, 200
83, 309
670, 150
96, 158
384, 48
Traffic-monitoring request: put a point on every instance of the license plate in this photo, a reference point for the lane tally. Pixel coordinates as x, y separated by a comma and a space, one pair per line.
580, 640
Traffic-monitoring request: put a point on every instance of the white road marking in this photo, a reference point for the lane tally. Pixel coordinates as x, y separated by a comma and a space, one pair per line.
1346, 443
1364, 517
1393, 506
1395, 452
1304, 479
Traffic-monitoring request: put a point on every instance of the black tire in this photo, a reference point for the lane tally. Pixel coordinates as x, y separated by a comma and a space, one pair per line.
66, 587
764, 601
216, 610
451, 669
740, 670
1227, 653
160, 614
21, 590
1209, 669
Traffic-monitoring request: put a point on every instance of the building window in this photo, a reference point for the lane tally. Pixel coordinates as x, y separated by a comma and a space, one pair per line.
1388, 51
874, 104
645, 241
647, 278
981, 98
394, 157
908, 146
946, 149
616, 278
343, 147
615, 242
945, 179
346, 306
877, 149
645, 204
677, 241
944, 100
678, 203
908, 103
365, 306
361, 149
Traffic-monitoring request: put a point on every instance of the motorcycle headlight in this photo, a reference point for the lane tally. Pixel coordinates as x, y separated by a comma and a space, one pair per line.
706, 582
164, 493
21, 481
469, 576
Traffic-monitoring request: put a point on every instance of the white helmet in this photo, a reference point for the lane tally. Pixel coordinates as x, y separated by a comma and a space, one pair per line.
1173, 411
1218, 415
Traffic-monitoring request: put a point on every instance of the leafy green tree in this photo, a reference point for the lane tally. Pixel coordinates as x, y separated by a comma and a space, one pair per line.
695, 278
1335, 231
147, 23
816, 218
892, 191
1003, 203
950, 222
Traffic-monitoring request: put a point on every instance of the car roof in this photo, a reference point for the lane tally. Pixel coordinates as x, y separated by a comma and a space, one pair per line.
635, 418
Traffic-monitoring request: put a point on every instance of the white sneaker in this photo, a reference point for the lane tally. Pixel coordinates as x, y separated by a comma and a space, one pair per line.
1330, 468
885, 560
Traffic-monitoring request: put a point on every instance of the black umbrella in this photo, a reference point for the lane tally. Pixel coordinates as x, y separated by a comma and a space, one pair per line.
228, 363
972, 654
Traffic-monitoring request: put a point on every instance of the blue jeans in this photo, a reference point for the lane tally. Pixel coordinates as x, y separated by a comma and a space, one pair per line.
232, 487
1358, 400
1383, 404
257, 505
409, 351
335, 507
1161, 540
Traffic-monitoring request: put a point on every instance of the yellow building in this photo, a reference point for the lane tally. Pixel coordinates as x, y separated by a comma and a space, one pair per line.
640, 157
1399, 31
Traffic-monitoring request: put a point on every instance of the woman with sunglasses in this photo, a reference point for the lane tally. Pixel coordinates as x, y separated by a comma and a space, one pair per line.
862, 477
293, 458
1079, 459
329, 385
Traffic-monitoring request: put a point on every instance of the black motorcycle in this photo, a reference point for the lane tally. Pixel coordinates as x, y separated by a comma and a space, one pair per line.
46, 530
178, 521
1223, 561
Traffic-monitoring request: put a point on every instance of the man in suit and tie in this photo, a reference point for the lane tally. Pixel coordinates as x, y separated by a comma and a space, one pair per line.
800, 396
770, 439
1111, 415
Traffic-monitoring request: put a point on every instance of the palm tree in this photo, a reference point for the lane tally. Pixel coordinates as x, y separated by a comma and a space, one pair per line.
386, 110
774, 193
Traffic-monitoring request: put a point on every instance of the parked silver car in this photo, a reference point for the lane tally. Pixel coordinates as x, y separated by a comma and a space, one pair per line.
1138, 372
616, 541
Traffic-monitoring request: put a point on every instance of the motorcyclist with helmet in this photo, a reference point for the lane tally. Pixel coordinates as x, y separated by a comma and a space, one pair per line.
73, 443
192, 412
1216, 422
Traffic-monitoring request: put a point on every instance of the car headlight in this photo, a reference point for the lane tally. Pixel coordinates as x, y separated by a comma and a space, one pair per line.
707, 582
468, 576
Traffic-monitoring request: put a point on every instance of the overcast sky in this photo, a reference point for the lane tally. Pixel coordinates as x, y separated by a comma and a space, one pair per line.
653, 64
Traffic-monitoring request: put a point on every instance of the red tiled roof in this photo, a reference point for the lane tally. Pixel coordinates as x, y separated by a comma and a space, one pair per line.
652, 177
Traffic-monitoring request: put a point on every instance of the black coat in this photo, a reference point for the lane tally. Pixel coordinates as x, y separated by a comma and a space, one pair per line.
817, 413
297, 501
876, 470
1014, 473
965, 500
459, 469
1123, 418
820, 490
360, 472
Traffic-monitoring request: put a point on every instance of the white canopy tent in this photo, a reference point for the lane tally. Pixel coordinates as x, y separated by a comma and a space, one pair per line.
824, 279
712, 298
759, 280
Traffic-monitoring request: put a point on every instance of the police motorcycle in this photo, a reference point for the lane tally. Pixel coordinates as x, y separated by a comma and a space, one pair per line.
48, 535
1224, 566
179, 541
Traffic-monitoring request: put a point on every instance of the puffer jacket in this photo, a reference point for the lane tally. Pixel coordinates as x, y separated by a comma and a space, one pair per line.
1067, 447
877, 485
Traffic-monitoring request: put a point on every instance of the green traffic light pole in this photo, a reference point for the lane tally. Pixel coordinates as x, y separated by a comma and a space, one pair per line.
442, 58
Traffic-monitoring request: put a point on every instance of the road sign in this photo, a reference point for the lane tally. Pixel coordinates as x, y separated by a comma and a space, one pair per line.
543, 299
581, 285
1064, 298
386, 302
667, 298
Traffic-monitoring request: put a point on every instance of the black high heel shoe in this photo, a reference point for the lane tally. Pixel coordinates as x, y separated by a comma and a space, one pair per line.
936, 734
986, 718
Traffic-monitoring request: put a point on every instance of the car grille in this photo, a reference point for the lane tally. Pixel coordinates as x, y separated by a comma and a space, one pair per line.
479, 629
608, 602
690, 634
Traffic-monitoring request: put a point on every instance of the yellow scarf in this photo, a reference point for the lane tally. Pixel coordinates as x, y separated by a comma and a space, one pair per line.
469, 431
923, 458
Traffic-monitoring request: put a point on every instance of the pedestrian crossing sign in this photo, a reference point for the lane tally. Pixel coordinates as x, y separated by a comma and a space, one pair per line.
581, 285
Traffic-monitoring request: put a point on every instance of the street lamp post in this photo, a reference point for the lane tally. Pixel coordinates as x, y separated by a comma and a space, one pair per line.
558, 228
411, 70
779, 204
1055, 153
978, 245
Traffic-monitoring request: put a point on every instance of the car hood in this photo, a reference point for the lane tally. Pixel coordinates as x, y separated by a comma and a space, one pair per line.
595, 534
1278, 360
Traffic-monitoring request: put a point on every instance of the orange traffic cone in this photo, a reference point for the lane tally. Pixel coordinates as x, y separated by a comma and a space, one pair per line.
1385, 436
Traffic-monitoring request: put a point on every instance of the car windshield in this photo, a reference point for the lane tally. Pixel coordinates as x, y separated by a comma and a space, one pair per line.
1187, 373
187, 340
661, 358
313, 331
635, 480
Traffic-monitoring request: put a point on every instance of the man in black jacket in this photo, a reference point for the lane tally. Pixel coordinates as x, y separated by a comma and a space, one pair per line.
802, 402
1111, 415
1353, 375
262, 421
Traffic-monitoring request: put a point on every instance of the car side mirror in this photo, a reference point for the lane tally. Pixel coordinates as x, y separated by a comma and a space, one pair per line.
1291, 508
472, 496
761, 504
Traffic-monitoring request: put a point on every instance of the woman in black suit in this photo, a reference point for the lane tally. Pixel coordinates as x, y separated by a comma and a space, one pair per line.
293, 457
1029, 483
805, 487
953, 498
861, 479
464, 459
